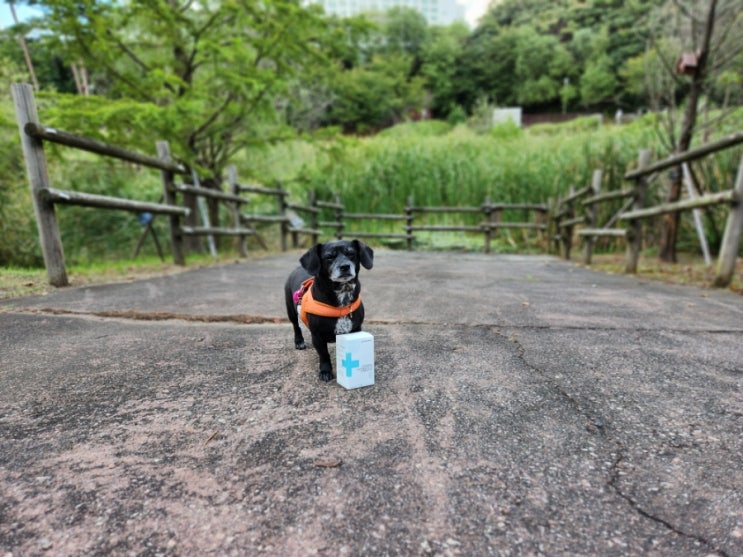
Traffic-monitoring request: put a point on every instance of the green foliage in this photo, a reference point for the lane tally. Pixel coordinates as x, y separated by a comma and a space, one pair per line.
420, 130
205, 79
598, 82
461, 167
375, 96
439, 63
405, 32
524, 51
540, 64
507, 131
90, 234
457, 115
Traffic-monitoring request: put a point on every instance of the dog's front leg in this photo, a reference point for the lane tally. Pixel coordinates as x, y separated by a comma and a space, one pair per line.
326, 367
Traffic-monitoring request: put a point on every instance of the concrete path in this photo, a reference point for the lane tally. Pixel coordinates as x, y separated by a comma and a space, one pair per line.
522, 406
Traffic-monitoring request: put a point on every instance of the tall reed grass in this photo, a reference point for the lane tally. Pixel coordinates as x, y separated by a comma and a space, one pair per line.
458, 167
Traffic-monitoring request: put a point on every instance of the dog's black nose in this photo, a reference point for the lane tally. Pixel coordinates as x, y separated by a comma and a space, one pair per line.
345, 269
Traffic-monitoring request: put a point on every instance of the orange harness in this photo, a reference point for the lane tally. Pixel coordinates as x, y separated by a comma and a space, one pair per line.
312, 306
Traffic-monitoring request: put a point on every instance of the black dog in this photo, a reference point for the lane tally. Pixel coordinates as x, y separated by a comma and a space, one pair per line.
331, 305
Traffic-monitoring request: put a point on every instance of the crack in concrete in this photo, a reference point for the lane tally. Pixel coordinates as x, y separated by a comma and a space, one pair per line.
613, 483
598, 425
135, 315
247, 319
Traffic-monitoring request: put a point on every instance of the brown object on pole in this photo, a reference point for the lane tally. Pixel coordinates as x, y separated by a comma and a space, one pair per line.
688, 63
669, 232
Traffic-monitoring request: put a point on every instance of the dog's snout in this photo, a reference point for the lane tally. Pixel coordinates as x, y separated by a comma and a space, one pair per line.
345, 268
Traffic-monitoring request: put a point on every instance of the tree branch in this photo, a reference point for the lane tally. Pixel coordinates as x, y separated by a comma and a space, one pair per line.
128, 51
193, 137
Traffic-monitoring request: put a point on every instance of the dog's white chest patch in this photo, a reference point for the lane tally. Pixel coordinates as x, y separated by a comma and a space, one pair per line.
343, 325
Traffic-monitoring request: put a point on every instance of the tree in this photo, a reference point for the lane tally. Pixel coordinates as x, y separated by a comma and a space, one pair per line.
312, 93
541, 65
708, 32
374, 96
405, 30
560, 48
439, 64
597, 82
205, 76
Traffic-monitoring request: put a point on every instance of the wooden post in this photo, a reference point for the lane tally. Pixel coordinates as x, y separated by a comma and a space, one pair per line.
487, 210
590, 241
176, 237
553, 244
409, 222
312, 202
339, 217
203, 208
732, 237
567, 231
540, 219
242, 245
38, 179
281, 201
634, 231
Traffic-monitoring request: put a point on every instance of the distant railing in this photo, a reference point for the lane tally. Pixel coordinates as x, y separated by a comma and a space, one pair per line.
578, 211
345, 224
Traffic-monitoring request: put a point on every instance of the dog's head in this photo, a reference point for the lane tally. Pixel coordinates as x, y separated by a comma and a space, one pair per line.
339, 261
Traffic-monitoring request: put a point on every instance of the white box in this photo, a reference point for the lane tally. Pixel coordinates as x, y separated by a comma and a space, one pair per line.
354, 360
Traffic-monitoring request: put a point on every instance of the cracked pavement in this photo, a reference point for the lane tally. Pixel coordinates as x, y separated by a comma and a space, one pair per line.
523, 405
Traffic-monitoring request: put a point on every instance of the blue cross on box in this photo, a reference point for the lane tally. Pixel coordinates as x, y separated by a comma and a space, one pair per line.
354, 360
349, 364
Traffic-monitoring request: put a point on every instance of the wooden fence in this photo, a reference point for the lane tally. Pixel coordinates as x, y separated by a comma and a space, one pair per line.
343, 224
561, 221
579, 209
45, 197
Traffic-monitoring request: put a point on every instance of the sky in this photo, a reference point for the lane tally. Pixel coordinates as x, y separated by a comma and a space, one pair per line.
473, 9
6, 18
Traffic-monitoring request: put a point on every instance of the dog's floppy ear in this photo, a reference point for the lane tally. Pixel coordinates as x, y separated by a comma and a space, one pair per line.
366, 254
311, 261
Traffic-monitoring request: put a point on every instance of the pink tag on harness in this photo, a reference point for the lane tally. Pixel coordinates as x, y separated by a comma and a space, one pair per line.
297, 296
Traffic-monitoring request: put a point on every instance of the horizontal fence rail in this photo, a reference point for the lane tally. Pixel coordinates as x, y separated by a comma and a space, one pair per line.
52, 135
687, 156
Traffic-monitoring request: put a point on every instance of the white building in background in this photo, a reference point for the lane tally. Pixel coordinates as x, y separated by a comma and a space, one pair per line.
436, 12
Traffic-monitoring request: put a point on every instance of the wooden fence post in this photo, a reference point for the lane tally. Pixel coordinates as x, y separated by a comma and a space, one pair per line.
593, 213
176, 236
732, 237
487, 210
281, 200
566, 232
38, 179
242, 244
553, 242
339, 217
314, 219
634, 231
409, 222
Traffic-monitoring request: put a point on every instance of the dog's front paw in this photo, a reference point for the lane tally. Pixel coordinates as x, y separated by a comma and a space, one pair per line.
300, 345
326, 375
